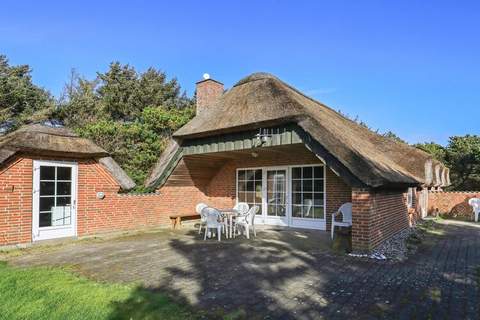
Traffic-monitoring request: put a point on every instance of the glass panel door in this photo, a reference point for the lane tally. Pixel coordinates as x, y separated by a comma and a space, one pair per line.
277, 193
54, 199
249, 187
55, 196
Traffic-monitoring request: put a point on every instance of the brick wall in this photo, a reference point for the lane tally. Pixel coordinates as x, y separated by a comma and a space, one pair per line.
113, 213
16, 182
454, 204
222, 189
376, 216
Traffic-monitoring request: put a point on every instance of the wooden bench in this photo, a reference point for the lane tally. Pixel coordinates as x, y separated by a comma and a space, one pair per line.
176, 219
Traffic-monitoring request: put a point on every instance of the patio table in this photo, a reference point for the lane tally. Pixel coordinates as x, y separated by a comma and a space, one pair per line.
229, 214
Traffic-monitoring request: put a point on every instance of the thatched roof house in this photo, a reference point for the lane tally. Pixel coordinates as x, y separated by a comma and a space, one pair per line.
42, 140
262, 100
265, 143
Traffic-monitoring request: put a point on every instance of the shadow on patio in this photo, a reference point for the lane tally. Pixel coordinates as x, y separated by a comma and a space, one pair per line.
293, 274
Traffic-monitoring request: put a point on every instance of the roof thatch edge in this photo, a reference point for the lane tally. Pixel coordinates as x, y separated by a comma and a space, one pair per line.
125, 182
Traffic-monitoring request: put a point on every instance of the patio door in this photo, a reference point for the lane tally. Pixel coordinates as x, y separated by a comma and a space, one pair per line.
54, 200
275, 195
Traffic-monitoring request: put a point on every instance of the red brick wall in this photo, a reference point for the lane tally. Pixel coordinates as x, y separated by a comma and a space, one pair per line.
115, 212
376, 216
222, 189
16, 181
454, 204
207, 92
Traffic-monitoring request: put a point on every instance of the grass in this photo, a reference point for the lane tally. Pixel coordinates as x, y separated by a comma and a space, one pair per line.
56, 293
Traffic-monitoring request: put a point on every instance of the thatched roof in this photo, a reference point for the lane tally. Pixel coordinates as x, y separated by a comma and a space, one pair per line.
38, 139
262, 100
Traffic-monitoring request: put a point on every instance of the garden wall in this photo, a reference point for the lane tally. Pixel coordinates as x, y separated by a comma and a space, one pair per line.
452, 204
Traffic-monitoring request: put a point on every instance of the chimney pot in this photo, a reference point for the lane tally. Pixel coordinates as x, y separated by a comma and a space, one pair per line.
208, 91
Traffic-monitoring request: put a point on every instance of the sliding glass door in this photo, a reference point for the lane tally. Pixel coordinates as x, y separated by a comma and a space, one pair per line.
276, 196
287, 196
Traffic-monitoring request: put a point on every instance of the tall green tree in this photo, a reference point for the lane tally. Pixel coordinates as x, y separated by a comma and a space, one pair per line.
20, 99
462, 156
128, 113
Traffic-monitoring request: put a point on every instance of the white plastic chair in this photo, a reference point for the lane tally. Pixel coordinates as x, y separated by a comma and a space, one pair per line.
246, 221
241, 208
198, 209
309, 204
346, 211
475, 204
213, 221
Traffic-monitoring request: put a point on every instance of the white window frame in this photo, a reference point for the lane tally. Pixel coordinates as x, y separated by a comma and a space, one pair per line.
52, 232
262, 218
410, 198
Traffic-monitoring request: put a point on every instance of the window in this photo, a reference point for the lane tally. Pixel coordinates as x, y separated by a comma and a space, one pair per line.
55, 196
410, 197
249, 186
308, 192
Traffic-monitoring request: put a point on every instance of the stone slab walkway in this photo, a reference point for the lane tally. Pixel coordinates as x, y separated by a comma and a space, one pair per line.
288, 274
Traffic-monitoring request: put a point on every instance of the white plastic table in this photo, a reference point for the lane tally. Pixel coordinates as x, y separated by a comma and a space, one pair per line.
229, 214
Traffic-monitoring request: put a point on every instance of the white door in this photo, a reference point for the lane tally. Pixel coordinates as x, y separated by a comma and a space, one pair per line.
54, 200
276, 196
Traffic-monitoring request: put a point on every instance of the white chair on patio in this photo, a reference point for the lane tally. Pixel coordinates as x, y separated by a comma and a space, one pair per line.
346, 211
213, 222
246, 221
308, 208
241, 208
203, 219
475, 204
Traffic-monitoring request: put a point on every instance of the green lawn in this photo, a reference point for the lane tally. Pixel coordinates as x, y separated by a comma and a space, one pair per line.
55, 293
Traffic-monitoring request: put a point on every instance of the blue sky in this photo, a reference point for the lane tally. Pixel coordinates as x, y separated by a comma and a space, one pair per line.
412, 67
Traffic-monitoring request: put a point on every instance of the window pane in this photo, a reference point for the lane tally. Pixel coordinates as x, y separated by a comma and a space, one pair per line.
250, 175
296, 185
47, 188
307, 198
318, 185
271, 210
307, 172
308, 211
318, 201
297, 198
242, 186
318, 172
271, 175
250, 186
258, 186
241, 174
307, 185
281, 210
47, 203
250, 197
258, 174
319, 197
296, 173
64, 173
63, 201
242, 197
45, 219
318, 213
258, 197
297, 211
47, 173
64, 188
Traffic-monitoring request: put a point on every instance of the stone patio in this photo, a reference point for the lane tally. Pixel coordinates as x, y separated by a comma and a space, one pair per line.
286, 273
